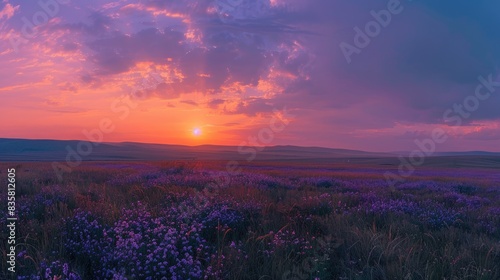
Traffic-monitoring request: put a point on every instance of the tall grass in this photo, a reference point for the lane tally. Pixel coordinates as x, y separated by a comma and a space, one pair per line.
275, 223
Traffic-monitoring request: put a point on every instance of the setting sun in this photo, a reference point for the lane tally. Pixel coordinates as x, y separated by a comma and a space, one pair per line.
196, 132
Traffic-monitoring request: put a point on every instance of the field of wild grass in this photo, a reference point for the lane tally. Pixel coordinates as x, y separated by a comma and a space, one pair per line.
187, 220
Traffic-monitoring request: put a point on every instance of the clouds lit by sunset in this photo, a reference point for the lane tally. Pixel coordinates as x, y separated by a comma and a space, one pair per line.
218, 71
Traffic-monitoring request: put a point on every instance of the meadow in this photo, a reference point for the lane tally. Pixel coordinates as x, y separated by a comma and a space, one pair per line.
272, 220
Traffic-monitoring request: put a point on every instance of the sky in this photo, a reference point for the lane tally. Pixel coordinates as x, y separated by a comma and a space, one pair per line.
366, 75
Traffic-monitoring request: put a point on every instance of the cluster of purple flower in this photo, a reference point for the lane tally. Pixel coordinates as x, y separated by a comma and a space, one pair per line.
288, 242
35, 207
222, 218
427, 212
138, 245
397, 206
489, 221
321, 182
318, 205
85, 240
436, 215
54, 270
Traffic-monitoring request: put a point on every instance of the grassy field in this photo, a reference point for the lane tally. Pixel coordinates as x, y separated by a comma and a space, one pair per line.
271, 220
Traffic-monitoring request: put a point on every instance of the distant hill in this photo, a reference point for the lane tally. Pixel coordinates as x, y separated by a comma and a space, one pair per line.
451, 154
58, 150
50, 150
471, 153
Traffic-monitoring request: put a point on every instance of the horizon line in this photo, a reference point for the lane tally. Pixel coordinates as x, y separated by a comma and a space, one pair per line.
396, 153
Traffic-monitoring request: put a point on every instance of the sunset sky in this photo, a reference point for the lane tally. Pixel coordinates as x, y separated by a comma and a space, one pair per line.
219, 71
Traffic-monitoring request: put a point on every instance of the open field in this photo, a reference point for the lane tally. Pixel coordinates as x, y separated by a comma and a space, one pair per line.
310, 219
250, 140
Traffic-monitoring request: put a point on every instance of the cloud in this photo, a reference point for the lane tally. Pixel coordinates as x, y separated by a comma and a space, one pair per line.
253, 107
8, 11
241, 52
420, 65
99, 24
214, 103
189, 102
68, 87
487, 135
162, 90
